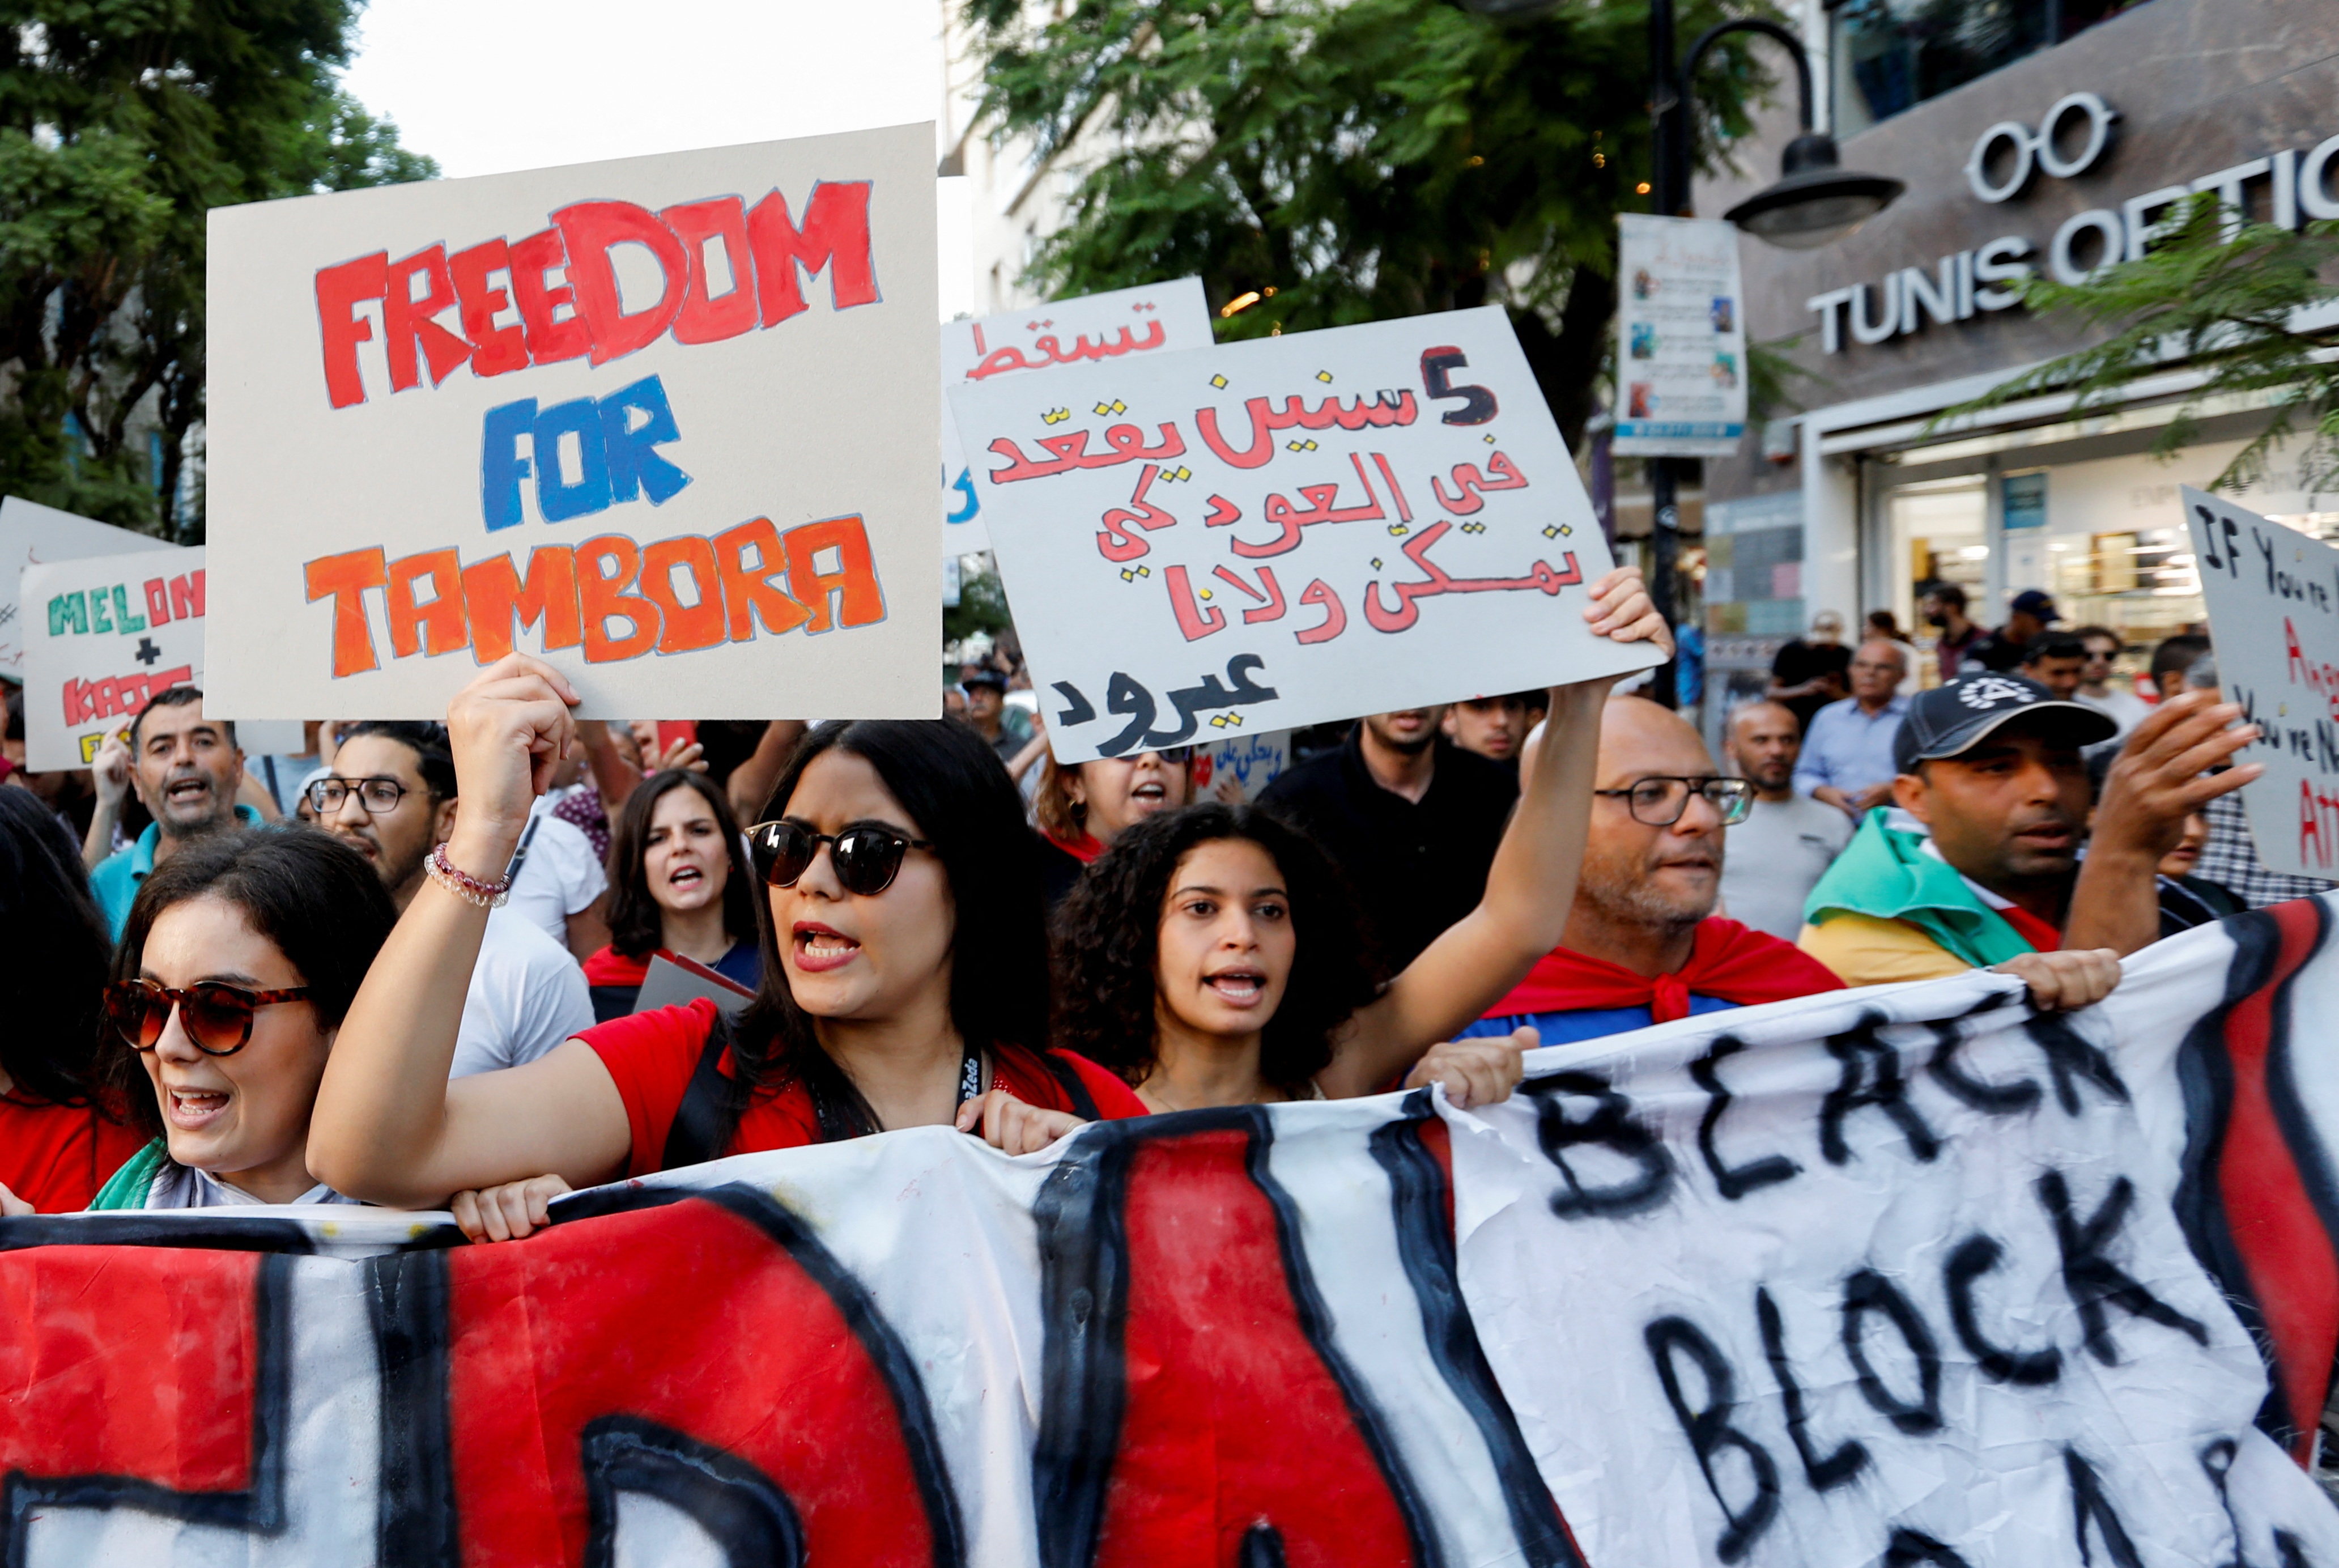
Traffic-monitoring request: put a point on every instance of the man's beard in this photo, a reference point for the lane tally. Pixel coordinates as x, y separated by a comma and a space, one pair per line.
1412, 748
1637, 901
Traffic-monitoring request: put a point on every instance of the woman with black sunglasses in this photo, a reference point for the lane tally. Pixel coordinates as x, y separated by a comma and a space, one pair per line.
678, 884
1214, 957
904, 984
236, 968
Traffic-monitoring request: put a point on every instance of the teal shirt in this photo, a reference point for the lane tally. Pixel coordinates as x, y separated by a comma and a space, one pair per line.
115, 881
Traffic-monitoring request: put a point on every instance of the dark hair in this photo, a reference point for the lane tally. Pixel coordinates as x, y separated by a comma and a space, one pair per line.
314, 897
957, 796
1948, 594
175, 697
1109, 935
434, 757
636, 924
1885, 623
2177, 653
2054, 645
57, 944
2084, 633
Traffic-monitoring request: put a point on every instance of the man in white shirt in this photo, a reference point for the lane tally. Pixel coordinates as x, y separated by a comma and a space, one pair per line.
2096, 688
391, 797
557, 884
1778, 855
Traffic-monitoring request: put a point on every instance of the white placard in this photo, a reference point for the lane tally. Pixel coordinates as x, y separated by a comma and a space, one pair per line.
1252, 761
1286, 531
31, 534
662, 421
1158, 318
2272, 595
1681, 338
100, 638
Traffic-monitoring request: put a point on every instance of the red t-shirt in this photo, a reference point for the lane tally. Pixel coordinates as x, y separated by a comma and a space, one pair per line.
56, 1157
651, 1057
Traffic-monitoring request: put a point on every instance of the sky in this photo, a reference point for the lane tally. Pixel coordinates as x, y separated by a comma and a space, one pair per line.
489, 86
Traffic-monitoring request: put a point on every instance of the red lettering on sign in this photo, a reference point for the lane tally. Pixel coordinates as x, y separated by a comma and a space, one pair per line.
339, 290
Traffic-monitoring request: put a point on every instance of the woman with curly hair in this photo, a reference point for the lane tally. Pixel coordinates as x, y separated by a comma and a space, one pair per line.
678, 884
1213, 956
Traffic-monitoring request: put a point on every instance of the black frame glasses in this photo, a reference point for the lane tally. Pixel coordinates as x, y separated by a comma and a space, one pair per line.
868, 857
378, 795
1650, 800
140, 1011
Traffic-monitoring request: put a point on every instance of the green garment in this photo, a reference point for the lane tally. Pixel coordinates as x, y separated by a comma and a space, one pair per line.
128, 1187
1886, 873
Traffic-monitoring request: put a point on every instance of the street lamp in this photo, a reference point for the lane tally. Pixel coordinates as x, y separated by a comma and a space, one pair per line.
1813, 202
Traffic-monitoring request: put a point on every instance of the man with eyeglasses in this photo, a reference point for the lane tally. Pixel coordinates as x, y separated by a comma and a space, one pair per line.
186, 769
1847, 755
1642, 943
391, 797
1980, 862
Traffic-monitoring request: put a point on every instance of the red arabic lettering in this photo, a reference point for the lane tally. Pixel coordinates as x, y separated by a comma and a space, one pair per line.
1070, 449
1011, 357
1269, 593
1542, 576
1265, 418
1195, 620
1114, 541
1281, 513
1468, 482
1336, 616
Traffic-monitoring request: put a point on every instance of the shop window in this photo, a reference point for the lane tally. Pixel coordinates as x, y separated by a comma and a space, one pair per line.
1893, 55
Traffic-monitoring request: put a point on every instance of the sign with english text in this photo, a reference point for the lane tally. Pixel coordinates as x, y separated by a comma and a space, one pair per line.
1910, 1276
103, 636
659, 421
1158, 318
1281, 532
2273, 598
32, 534
1681, 338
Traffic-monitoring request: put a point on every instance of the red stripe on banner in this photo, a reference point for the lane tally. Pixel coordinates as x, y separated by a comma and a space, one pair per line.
130, 1362
2274, 1224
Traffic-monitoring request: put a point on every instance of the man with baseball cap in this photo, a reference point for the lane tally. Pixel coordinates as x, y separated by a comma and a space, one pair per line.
2032, 613
1978, 860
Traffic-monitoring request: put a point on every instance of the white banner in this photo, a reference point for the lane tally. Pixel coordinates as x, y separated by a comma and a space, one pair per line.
660, 421
33, 535
1681, 338
2272, 595
103, 636
1158, 318
1170, 588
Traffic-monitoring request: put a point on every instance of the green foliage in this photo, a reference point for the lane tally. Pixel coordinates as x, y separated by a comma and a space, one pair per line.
1353, 160
121, 123
2218, 299
981, 607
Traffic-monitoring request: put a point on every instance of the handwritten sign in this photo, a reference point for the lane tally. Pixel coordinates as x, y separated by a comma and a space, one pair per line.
1252, 761
1282, 532
102, 636
1155, 319
661, 421
31, 534
1681, 338
2272, 595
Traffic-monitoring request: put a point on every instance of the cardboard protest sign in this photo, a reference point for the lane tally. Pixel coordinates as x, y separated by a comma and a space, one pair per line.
1158, 318
1681, 338
1908, 1276
31, 534
1169, 588
102, 636
1253, 761
661, 420
2272, 595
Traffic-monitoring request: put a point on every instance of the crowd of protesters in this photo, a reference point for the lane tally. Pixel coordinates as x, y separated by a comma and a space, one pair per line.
416, 964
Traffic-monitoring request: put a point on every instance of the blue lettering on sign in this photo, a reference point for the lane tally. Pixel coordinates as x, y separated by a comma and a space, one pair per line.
584, 456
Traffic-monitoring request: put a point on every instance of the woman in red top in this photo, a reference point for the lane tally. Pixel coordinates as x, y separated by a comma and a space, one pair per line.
1082, 808
880, 1007
60, 1137
678, 884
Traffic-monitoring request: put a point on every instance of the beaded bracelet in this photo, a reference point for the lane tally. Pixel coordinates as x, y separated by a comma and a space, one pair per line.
469, 889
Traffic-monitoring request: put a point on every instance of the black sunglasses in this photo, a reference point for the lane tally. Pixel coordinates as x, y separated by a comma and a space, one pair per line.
217, 1018
867, 858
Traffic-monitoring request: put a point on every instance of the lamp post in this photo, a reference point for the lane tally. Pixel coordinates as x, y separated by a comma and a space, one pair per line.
1813, 202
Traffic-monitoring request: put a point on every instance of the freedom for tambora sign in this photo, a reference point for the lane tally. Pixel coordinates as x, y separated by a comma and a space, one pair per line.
662, 421
1276, 533
2273, 595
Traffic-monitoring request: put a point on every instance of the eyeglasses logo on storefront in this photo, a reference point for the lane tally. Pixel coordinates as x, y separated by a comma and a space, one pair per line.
2042, 148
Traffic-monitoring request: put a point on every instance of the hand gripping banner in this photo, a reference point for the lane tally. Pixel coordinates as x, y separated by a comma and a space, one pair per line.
1899, 1276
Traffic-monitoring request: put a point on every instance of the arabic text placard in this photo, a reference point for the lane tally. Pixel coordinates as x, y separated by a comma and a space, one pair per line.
1282, 532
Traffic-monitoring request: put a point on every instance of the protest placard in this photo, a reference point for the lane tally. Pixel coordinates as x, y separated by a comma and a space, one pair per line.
1158, 318
1170, 590
1253, 761
31, 534
102, 636
2272, 595
662, 421
1681, 338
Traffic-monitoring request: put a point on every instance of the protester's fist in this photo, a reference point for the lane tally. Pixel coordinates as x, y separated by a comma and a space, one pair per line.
1014, 1125
111, 768
2161, 775
2061, 981
1621, 609
508, 729
509, 1212
1476, 1072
